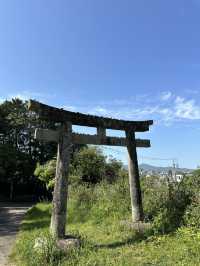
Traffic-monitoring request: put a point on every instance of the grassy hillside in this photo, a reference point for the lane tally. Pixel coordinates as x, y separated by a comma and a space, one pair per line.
95, 215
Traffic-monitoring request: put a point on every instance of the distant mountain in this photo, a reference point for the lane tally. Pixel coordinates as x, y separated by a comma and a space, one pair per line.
148, 167
158, 169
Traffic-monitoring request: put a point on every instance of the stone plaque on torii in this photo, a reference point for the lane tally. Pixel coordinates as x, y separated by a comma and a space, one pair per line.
66, 138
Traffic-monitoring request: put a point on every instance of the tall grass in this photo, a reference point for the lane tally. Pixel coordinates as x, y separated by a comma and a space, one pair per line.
94, 215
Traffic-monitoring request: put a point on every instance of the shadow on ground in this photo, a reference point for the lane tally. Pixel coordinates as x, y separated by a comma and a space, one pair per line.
117, 244
10, 217
36, 219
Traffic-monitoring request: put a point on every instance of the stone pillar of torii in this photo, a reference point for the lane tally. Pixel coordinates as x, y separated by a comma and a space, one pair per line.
66, 138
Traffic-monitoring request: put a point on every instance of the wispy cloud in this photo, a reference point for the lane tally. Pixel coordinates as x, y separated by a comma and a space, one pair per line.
69, 108
186, 109
29, 94
165, 108
101, 111
166, 95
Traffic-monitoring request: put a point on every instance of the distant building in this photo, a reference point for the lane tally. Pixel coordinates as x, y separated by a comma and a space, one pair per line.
179, 177
173, 175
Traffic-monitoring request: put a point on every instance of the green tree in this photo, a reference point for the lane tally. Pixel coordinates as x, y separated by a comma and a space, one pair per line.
19, 150
16, 123
113, 170
89, 165
15, 167
46, 173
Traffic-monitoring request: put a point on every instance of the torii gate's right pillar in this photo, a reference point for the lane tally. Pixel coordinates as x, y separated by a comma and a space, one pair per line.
134, 178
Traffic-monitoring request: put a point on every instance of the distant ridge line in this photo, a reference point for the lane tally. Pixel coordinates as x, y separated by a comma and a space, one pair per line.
158, 169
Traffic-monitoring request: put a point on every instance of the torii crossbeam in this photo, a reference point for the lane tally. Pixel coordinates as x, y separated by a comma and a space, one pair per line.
65, 139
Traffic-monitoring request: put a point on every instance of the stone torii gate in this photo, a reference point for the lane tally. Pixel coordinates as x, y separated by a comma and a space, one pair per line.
66, 138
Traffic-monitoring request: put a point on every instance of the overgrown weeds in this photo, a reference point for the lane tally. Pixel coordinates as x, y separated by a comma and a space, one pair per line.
95, 214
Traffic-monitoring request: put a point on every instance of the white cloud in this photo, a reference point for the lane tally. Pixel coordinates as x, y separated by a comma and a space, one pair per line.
69, 108
166, 95
167, 112
177, 110
21, 96
101, 111
186, 109
26, 95
172, 107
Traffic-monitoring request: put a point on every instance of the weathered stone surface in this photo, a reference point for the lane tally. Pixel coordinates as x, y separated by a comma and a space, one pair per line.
59, 115
48, 135
134, 179
42, 244
68, 243
58, 218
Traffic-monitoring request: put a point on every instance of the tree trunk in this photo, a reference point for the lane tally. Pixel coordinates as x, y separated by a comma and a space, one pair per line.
58, 218
134, 179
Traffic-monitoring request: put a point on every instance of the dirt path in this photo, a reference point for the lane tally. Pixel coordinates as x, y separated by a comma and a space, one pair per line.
11, 215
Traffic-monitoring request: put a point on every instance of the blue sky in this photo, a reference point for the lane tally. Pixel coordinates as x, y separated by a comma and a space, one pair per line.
127, 59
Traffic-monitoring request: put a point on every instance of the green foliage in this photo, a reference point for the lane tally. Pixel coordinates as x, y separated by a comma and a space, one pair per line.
89, 165
16, 122
14, 115
46, 173
97, 203
113, 169
35, 246
19, 152
95, 214
155, 194
165, 203
15, 166
192, 185
192, 215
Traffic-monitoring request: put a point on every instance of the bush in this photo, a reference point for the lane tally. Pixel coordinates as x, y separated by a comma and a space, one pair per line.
165, 203
113, 169
192, 184
155, 193
95, 213
46, 173
101, 202
168, 205
192, 215
89, 165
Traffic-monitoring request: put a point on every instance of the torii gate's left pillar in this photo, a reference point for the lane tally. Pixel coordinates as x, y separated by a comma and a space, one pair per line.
59, 210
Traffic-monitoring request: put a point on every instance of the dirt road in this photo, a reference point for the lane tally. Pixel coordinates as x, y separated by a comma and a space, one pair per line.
11, 215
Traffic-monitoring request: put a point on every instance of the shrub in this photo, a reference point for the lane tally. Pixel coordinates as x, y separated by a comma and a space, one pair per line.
192, 215
101, 202
89, 165
46, 173
165, 203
